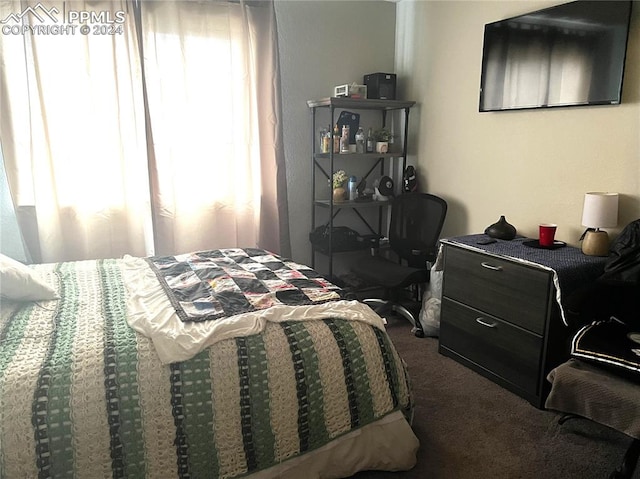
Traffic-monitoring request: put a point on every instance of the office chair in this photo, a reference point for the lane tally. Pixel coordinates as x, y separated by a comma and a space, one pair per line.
416, 223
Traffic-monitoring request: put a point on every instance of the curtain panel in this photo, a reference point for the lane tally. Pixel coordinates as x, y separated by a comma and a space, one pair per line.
72, 130
161, 139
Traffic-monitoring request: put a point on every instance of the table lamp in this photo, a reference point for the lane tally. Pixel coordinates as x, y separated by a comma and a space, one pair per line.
600, 211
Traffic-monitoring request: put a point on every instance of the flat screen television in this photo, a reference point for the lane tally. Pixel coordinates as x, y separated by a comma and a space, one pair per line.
567, 55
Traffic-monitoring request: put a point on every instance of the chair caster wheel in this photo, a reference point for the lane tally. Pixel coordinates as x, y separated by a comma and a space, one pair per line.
419, 333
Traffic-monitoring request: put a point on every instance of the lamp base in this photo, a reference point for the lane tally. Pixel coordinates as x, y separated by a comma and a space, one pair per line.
596, 243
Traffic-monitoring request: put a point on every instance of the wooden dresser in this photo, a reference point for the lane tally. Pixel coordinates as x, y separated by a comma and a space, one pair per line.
500, 314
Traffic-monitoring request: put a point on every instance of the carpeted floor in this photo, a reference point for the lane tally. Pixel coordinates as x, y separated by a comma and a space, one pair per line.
471, 428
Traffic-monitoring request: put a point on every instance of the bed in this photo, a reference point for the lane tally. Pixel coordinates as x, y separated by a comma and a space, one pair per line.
223, 364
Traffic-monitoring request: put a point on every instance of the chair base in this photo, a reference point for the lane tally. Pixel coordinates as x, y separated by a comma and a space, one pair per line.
382, 305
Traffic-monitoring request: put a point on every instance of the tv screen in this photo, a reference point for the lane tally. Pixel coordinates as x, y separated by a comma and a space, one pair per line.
568, 55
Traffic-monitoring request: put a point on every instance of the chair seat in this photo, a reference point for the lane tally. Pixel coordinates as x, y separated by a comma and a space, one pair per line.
414, 229
389, 274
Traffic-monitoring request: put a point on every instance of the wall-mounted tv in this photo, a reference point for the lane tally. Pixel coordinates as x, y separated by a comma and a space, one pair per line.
568, 55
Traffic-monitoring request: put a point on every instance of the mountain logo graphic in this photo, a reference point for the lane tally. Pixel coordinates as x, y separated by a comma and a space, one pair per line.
39, 11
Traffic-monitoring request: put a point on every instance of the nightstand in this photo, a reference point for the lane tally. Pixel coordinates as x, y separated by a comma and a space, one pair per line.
502, 310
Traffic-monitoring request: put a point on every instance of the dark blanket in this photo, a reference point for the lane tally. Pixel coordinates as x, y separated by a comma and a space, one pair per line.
225, 282
617, 291
592, 392
610, 344
623, 264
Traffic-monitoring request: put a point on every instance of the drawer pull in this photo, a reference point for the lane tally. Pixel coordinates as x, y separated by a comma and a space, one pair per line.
484, 323
491, 267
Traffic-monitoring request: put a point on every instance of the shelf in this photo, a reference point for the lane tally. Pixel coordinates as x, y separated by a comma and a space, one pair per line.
325, 164
359, 156
325, 251
352, 204
361, 104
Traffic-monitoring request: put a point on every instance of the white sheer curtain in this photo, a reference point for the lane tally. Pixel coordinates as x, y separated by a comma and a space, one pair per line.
204, 119
206, 170
73, 135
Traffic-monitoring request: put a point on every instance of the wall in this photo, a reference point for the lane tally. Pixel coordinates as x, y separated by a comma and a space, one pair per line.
323, 44
531, 166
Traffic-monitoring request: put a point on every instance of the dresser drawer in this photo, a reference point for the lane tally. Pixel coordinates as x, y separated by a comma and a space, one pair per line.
509, 290
500, 348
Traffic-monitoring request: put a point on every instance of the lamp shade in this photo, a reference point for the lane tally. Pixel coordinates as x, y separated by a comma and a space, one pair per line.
600, 210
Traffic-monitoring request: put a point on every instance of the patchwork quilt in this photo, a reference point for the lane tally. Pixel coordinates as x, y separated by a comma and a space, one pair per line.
84, 395
221, 283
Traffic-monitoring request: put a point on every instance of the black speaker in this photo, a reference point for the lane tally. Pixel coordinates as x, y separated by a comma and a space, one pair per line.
385, 186
381, 86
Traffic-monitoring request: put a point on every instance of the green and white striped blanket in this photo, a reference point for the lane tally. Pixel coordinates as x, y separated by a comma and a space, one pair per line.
84, 395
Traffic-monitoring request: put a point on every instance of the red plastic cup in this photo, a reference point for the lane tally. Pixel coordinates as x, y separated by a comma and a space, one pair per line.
547, 233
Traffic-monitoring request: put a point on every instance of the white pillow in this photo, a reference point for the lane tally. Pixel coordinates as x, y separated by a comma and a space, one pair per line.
21, 283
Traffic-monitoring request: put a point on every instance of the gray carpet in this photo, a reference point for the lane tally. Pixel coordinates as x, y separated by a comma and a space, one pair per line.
471, 428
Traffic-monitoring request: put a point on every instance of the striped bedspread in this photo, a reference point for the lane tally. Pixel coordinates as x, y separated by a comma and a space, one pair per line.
82, 394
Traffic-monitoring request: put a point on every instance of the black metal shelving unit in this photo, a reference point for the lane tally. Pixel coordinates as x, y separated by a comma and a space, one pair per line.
378, 162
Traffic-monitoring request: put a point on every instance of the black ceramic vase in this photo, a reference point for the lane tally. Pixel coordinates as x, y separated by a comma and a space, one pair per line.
501, 230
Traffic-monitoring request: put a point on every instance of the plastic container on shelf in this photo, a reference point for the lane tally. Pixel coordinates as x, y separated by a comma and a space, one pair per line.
344, 140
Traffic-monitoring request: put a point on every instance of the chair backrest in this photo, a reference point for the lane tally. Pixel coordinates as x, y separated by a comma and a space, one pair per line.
416, 224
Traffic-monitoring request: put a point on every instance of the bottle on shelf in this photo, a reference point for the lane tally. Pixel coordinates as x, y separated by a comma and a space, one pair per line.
325, 138
353, 188
344, 139
370, 141
360, 141
336, 139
